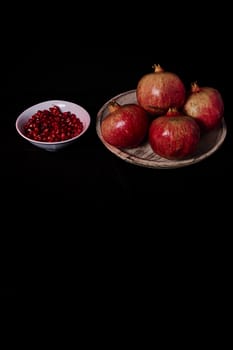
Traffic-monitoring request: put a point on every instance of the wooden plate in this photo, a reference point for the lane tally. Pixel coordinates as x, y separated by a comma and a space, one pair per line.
144, 155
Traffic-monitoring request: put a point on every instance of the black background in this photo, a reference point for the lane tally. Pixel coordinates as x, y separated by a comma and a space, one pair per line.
84, 192
7, 291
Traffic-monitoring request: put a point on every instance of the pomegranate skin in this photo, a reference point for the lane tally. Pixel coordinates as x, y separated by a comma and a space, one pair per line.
160, 90
174, 137
126, 126
206, 105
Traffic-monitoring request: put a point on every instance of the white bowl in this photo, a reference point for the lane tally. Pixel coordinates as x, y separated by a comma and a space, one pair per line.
64, 106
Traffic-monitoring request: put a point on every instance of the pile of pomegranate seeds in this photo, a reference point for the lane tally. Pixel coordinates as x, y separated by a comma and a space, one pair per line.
53, 125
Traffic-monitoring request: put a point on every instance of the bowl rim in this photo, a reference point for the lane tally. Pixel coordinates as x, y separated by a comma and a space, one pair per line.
53, 102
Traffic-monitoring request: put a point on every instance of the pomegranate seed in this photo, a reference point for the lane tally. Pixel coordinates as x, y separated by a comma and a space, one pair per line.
53, 125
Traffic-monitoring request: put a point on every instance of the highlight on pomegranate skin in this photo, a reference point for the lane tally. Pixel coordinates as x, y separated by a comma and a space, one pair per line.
53, 125
174, 137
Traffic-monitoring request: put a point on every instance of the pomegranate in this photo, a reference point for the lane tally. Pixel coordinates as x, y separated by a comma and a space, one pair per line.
206, 105
174, 135
125, 126
158, 91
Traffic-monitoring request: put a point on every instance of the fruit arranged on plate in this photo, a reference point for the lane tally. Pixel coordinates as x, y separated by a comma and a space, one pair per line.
125, 126
206, 105
160, 90
174, 135
170, 118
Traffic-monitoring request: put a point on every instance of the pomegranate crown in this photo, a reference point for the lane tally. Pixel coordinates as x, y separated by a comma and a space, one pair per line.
157, 68
195, 87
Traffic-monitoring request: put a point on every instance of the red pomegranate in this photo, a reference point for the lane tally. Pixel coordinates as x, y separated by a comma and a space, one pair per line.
174, 135
160, 90
206, 105
125, 126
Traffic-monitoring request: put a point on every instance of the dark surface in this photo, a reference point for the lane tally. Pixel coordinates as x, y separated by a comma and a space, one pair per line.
7, 291
87, 172
82, 213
